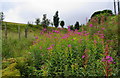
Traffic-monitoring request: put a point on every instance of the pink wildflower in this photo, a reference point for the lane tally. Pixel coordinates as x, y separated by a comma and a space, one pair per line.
69, 45
68, 27
79, 33
52, 45
41, 33
40, 47
108, 59
49, 48
95, 41
69, 30
101, 36
83, 56
90, 25
36, 37
103, 28
98, 31
44, 29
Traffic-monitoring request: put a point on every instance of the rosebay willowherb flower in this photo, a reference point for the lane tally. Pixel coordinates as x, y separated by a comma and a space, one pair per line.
108, 59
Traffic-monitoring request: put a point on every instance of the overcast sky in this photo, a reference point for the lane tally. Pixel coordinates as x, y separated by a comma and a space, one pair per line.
70, 11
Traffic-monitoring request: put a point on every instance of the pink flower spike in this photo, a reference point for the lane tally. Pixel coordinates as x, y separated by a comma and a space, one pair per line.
90, 25
95, 41
69, 45
44, 29
83, 56
108, 59
114, 62
52, 45
68, 27
103, 28
49, 48
36, 37
101, 36
98, 31
40, 47
103, 59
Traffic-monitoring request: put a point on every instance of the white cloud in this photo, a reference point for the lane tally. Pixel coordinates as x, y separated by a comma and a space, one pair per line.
69, 10
56, 0
12, 15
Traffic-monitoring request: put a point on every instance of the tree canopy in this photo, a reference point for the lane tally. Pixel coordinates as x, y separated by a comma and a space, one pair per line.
56, 19
62, 23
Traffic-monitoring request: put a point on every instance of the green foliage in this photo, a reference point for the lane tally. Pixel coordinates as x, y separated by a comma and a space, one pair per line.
56, 19
71, 27
77, 25
108, 12
37, 21
65, 56
45, 21
62, 23
1, 16
64, 53
11, 71
100, 16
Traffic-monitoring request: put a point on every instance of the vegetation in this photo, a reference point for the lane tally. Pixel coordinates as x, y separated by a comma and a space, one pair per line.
62, 23
77, 25
1, 16
107, 12
45, 21
100, 16
47, 51
56, 19
37, 21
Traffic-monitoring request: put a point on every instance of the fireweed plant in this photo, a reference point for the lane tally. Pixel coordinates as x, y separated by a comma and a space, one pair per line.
74, 53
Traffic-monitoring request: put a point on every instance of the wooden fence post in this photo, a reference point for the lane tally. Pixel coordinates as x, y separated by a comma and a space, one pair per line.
0, 25
26, 29
19, 32
5, 30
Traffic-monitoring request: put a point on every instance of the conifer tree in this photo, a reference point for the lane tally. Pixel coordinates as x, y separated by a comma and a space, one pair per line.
62, 23
56, 19
77, 25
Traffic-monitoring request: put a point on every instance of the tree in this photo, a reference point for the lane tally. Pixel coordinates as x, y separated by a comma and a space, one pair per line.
71, 27
77, 25
45, 21
62, 23
1, 16
37, 21
56, 19
104, 12
99, 14
29, 24
1, 19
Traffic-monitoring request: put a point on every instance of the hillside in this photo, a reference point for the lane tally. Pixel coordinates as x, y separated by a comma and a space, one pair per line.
90, 51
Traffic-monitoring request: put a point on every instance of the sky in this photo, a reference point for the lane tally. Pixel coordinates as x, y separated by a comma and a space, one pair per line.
22, 11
